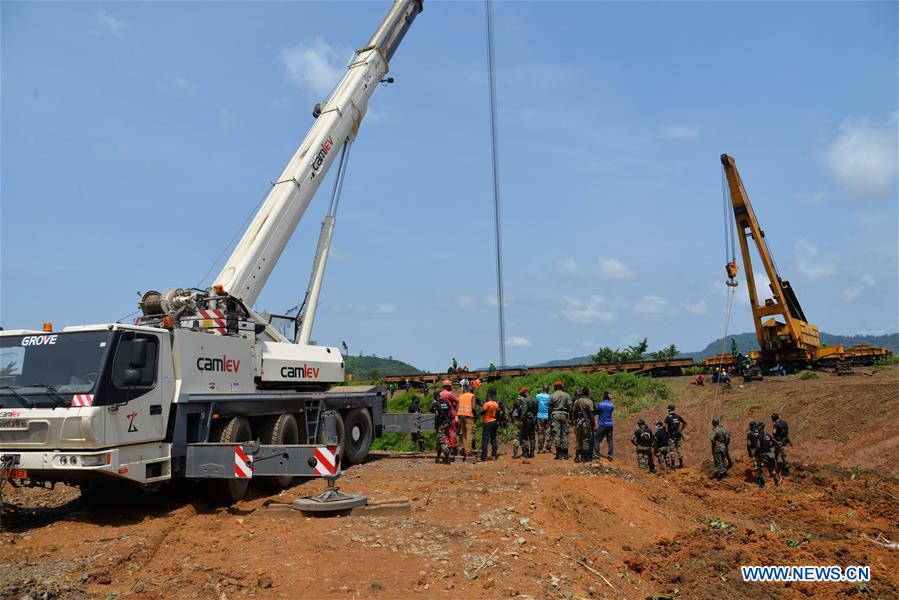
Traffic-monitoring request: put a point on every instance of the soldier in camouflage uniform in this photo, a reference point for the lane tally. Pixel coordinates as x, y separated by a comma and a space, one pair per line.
443, 417
527, 417
559, 408
582, 415
781, 437
643, 442
720, 441
764, 456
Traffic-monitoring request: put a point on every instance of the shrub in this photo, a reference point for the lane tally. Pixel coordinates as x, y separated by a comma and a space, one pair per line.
808, 375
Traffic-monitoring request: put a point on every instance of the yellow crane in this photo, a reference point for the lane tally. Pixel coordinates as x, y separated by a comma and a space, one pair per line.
784, 334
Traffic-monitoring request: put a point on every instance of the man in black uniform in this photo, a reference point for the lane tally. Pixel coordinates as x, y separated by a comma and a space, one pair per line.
675, 425
642, 440
781, 437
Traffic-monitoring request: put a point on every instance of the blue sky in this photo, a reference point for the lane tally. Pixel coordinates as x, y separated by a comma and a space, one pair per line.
138, 137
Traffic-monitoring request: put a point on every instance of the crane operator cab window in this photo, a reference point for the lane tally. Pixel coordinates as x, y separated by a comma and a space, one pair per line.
134, 365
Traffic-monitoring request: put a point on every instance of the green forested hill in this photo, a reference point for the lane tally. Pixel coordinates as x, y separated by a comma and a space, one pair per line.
364, 367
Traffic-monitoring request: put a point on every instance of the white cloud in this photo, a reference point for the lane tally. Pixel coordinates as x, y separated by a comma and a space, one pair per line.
563, 351
593, 311
612, 269
854, 292
316, 68
851, 293
652, 307
370, 309
587, 344
679, 131
607, 269
810, 268
114, 26
464, 302
516, 341
862, 158
184, 83
697, 308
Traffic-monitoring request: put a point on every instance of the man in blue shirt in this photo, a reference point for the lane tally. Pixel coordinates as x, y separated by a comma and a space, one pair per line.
544, 439
604, 424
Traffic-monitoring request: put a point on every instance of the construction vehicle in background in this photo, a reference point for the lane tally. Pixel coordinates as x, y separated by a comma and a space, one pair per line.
786, 338
201, 386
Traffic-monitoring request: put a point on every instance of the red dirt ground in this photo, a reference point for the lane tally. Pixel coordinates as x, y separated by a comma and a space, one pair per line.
558, 529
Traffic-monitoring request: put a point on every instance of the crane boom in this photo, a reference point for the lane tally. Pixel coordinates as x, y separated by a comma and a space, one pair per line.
249, 266
795, 338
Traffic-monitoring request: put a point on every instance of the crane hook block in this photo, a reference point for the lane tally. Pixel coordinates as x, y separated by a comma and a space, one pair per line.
732, 270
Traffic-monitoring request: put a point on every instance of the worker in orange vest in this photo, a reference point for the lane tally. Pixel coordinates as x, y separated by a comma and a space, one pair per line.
465, 413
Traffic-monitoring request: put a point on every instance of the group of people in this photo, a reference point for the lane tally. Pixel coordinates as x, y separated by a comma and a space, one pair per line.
543, 422
766, 451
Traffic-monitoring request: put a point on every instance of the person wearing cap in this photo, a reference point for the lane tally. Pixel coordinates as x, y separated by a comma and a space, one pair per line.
604, 424
660, 447
544, 439
526, 410
582, 416
642, 441
675, 425
559, 408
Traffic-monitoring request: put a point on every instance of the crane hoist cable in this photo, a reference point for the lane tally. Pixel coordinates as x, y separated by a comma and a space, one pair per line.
730, 257
491, 81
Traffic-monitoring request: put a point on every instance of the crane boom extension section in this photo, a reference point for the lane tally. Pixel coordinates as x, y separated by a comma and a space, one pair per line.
252, 261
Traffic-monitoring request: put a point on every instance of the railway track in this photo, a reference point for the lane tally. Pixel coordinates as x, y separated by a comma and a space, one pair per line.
654, 368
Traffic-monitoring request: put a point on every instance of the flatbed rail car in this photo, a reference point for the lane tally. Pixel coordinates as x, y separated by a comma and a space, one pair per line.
654, 368
860, 355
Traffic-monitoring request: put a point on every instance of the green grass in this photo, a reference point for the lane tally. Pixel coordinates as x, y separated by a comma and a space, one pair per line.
886, 361
631, 393
808, 375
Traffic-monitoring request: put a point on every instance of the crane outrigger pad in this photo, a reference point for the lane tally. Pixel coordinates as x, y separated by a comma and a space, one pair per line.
332, 500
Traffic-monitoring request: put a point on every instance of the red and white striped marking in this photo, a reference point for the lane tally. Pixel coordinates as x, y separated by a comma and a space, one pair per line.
82, 400
243, 464
218, 317
327, 461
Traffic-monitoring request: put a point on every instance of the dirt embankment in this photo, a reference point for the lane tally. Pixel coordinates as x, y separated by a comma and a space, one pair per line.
538, 528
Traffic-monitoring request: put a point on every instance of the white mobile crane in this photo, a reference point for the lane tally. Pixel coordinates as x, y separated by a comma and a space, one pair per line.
201, 386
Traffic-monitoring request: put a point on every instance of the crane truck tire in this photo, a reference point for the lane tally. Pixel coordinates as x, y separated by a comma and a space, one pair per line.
229, 431
358, 429
281, 430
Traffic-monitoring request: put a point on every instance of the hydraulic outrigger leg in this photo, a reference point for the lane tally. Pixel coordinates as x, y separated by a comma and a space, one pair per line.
332, 500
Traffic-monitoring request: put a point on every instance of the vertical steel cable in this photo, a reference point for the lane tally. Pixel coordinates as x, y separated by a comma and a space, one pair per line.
491, 79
